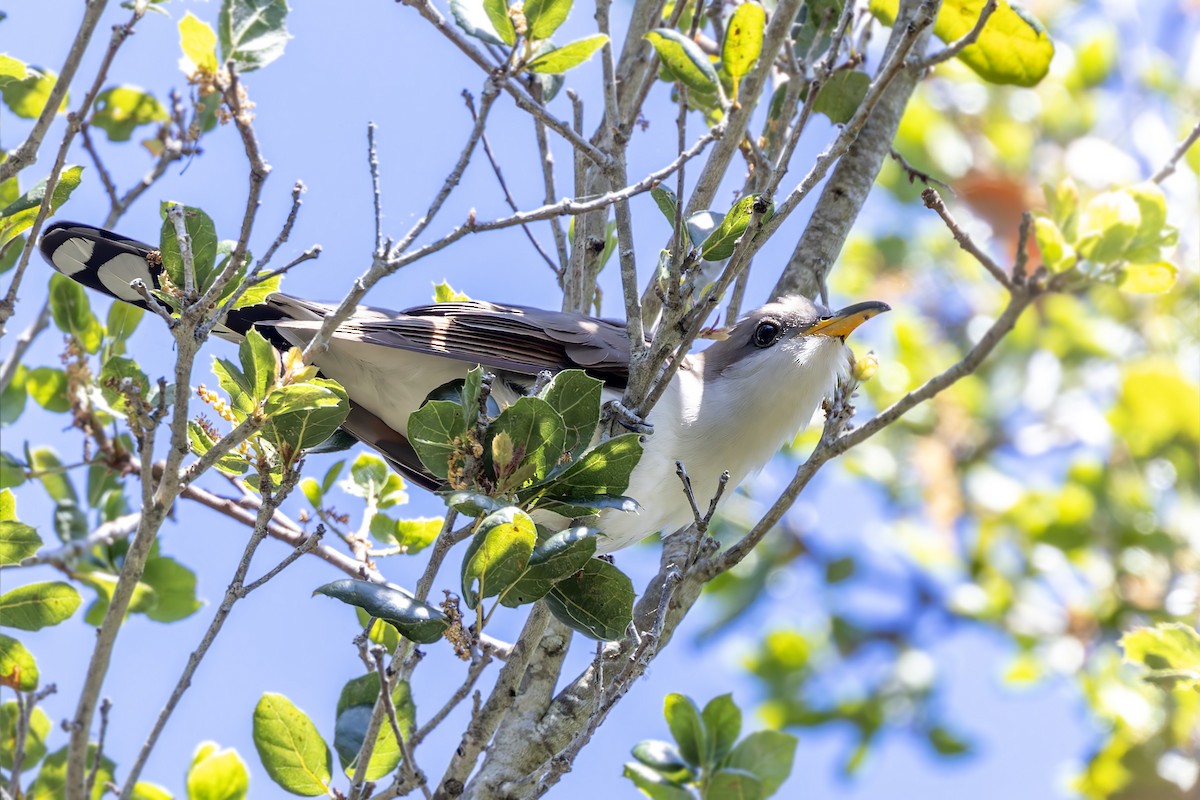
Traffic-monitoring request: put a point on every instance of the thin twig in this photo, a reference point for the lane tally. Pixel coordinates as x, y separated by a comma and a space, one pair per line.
1167, 169
963, 42
476, 669
915, 174
934, 201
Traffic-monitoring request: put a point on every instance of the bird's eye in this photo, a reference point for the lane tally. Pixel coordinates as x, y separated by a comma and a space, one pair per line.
766, 333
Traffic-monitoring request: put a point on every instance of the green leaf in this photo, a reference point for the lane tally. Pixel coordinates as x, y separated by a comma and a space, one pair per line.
432, 431
560, 59
120, 109
841, 95
653, 784
602, 471
8, 505
1169, 650
73, 314
113, 376
217, 774
18, 669
1107, 226
767, 754
52, 778
260, 365
662, 757
1153, 278
1152, 209
143, 790
45, 461
236, 385
743, 40
558, 557
947, 743
412, 535
105, 584
1013, 47
734, 784
576, 396
18, 541
28, 96
476, 18
323, 410
687, 727
38, 605
174, 587
203, 232
538, 437
1057, 254
253, 32
229, 464
1062, 204
721, 242
12, 69
19, 215
416, 620
666, 201
597, 601
290, 748
545, 16
36, 731
473, 504
354, 708
199, 45
686, 61
48, 386
123, 319
723, 722
498, 554
445, 293
12, 399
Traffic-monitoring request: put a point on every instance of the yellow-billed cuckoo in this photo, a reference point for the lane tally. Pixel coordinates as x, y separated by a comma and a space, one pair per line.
729, 407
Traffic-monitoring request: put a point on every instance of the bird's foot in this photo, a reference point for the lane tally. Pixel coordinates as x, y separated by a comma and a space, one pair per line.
626, 418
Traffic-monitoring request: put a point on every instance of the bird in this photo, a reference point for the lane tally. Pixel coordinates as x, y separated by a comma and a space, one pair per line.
728, 408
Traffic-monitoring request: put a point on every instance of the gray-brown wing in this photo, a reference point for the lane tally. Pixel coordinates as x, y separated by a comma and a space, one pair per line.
501, 337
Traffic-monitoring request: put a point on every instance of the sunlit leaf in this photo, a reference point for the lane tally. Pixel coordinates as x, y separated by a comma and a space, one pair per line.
567, 57
290, 747
253, 33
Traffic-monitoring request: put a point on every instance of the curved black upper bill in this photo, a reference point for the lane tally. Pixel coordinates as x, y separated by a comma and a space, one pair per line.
842, 323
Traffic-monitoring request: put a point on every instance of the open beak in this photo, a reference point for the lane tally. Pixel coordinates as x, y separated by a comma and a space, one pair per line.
842, 323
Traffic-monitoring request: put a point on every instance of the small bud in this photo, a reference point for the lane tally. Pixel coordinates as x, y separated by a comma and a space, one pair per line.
865, 367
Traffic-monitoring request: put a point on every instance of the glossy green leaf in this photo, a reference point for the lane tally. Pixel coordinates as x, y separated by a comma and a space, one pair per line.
72, 313
253, 33
121, 109
416, 620
734, 784
567, 57
290, 747
723, 722
18, 541
260, 365
545, 16
232, 463
203, 233
538, 437
576, 396
320, 407
473, 504
354, 708
19, 215
662, 757
498, 554
653, 784
602, 471
841, 95
38, 605
8, 506
743, 40
28, 96
18, 668
685, 60
666, 201
174, 588
721, 242
432, 431
485, 21
1013, 47
687, 728
597, 601
217, 774
36, 730
199, 44
556, 558
768, 755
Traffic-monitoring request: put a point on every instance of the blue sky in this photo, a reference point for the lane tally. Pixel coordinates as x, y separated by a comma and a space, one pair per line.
351, 63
